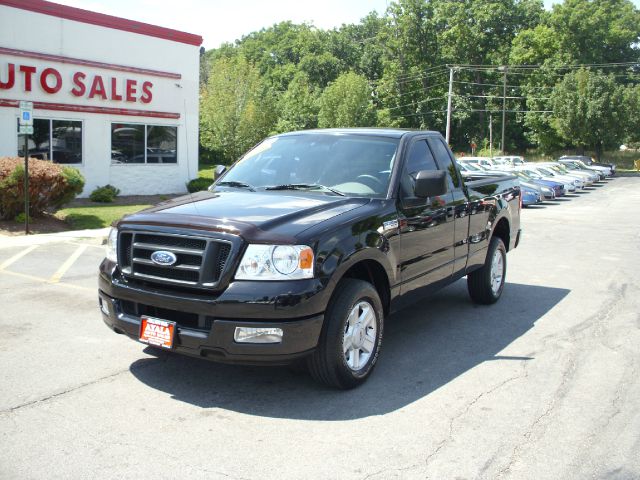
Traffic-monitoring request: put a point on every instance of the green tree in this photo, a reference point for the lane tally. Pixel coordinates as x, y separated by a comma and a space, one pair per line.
589, 110
481, 32
236, 108
298, 106
632, 101
406, 91
346, 103
574, 32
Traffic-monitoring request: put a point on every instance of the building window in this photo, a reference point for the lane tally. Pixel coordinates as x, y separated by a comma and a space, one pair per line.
56, 140
134, 143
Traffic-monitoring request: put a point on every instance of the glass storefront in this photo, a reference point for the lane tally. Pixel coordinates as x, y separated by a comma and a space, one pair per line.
56, 140
134, 143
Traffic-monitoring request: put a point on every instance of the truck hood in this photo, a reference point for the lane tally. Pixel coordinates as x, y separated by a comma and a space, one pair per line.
256, 216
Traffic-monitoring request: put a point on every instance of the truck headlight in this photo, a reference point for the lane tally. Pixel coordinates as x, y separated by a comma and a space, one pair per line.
112, 245
276, 262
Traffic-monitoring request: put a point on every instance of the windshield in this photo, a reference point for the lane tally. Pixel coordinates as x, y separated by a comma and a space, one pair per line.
547, 171
534, 173
524, 175
358, 165
470, 167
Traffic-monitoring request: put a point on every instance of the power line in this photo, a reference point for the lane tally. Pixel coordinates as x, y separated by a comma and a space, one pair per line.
510, 111
419, 90
497, 85
420, 76
441, 97
431, 112
501, 96
548, 67
412, 77
419, 114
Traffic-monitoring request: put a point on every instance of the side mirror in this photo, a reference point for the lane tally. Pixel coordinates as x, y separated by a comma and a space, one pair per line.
430, 183
219, 170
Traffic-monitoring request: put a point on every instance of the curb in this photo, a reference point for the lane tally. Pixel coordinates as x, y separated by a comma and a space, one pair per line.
39, 239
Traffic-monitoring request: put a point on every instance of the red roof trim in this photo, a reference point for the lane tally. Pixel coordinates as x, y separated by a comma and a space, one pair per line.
89, 63
65, 107
102, 20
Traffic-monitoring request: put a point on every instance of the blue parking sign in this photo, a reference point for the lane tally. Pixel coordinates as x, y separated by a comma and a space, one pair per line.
26, 113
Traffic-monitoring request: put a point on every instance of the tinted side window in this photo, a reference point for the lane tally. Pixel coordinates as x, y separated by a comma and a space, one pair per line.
444, 160
419, 158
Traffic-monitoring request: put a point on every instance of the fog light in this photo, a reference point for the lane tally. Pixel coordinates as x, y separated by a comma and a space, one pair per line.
104, 307
257, 335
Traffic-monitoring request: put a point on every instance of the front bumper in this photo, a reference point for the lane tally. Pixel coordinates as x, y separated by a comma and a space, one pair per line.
300, 337
205, 325
530, 198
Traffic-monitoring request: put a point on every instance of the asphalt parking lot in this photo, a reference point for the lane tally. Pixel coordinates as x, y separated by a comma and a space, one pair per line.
543, 385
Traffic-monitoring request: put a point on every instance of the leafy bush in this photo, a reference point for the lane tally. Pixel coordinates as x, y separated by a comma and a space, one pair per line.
50, 185
75, 182
20, 218
105, 194
198, 184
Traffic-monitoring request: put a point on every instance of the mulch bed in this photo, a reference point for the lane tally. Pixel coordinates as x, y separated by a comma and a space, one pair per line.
45, 224
50, 224
125, 200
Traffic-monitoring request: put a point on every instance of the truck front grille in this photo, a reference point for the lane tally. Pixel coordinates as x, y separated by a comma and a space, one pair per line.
200, 261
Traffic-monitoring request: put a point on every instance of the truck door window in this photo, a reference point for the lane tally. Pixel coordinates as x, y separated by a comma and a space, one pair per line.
443, 158
419, 158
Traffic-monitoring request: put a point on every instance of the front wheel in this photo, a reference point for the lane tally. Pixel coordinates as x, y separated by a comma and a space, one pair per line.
351, 337
485, 285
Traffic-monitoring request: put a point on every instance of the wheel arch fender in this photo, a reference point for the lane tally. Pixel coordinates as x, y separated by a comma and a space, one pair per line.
369, 264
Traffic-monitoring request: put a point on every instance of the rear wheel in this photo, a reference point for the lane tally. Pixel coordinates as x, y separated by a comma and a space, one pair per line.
351, 337
485, 285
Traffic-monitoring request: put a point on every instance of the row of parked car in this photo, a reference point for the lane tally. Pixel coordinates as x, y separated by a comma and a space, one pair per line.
542, 181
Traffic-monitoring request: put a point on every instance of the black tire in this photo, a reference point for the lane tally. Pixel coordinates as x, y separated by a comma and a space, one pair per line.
479, 282
329, 364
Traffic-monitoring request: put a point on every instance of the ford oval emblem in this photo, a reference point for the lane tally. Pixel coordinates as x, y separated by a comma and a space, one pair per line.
164, 258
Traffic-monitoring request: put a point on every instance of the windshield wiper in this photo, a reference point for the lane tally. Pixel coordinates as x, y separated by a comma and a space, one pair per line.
304, 186
233, 183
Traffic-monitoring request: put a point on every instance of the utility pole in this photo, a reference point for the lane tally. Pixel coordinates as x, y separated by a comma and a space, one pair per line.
490, 135
504, 106
448, 132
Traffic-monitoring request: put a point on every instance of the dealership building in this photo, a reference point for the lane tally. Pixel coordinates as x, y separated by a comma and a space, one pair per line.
115, 98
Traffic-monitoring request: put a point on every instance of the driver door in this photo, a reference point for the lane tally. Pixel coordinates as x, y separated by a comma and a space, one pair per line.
426, 227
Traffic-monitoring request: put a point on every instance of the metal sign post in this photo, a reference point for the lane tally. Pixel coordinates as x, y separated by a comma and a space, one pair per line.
25, 125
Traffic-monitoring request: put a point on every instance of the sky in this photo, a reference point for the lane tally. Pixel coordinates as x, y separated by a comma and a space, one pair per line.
220, 21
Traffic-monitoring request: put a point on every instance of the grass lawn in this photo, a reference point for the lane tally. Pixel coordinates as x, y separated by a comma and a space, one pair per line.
81, 218
206, 171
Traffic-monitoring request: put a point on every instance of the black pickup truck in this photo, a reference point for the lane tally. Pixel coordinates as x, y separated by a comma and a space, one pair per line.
304, 246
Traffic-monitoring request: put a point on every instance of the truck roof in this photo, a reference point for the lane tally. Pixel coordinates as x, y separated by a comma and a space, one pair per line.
371, 131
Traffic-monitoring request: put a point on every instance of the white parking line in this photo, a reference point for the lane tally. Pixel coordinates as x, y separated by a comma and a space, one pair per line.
17, 257
55, 278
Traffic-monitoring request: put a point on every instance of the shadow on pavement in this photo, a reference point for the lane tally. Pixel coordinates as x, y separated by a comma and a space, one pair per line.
425, 347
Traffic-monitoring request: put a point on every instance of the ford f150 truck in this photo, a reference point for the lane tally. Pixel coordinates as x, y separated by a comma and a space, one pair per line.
303, 248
